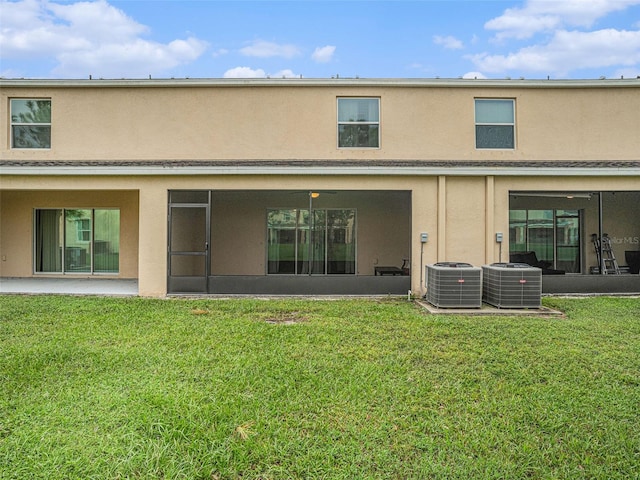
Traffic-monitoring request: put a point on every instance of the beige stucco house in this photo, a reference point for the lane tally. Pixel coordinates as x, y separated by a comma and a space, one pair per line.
337, 186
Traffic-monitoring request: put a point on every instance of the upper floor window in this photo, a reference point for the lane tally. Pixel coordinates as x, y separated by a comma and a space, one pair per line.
30, 123
358, 122
495, 123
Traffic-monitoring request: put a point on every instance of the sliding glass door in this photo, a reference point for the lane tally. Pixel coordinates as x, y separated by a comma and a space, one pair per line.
553, 234
326, 246
77, 241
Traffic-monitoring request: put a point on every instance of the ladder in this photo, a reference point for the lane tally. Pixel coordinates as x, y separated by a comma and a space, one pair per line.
608, 262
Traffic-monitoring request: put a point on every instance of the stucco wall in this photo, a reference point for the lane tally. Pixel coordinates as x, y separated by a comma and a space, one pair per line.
299, 122
465, 220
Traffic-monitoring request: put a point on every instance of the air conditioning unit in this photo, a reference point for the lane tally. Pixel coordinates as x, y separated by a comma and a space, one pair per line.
454, 285
512, 285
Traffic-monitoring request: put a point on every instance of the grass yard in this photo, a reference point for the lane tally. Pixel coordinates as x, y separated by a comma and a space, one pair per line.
100, 388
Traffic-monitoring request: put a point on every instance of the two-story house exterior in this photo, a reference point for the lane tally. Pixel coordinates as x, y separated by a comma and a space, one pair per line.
335, 186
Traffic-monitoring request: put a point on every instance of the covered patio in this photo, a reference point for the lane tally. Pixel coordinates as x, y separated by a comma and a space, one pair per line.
289, 242
584, 241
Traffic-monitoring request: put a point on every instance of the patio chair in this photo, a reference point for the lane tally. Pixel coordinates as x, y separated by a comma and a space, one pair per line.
530, 258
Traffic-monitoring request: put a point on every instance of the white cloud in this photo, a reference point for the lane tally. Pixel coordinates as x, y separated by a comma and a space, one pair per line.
545, 15
245, 72
137, 58
88, 38
323, 54
284, 74
569, 51
517, 24
570, 43
263, 49
97, 20
474, 75
449, 42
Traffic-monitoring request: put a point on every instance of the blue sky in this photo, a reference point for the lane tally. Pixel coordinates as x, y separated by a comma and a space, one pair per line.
320, 39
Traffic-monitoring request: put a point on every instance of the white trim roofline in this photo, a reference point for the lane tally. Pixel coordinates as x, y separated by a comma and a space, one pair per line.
14, 170
316, 82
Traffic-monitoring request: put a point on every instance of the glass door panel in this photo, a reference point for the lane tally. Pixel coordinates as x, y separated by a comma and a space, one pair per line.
106, 242
540, 234
302, 245
49, 240
517, 231
568, 243
281, 242
77, 252
318, 248
341, 251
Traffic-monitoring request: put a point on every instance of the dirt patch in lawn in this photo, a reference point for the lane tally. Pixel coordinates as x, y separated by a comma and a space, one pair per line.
286, 318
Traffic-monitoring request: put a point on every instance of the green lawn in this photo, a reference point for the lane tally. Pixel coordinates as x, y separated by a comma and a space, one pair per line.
277, 389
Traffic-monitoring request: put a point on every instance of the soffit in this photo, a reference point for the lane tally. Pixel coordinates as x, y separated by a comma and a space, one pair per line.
324, 167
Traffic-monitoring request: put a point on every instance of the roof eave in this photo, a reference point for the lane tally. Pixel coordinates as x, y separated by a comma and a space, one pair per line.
316, 82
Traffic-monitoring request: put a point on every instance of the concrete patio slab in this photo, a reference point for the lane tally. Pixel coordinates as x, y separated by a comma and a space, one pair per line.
69, 286
491, 311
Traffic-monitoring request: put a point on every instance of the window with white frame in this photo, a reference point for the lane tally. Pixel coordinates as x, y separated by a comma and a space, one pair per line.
495, 123
358, 122
83, 229
30, 123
